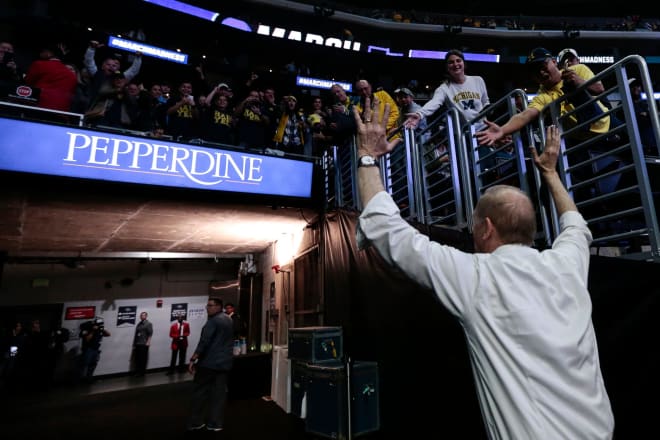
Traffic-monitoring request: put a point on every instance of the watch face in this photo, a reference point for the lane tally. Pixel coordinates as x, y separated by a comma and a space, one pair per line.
367, 161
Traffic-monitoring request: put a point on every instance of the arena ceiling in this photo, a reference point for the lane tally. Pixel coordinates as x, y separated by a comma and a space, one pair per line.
47, 216
557, 8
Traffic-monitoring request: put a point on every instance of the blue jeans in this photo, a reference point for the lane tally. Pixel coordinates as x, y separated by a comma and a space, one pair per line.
89, 360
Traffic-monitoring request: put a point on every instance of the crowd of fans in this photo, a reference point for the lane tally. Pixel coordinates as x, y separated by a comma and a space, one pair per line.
628, 23
251, 113
519, 22
108, 89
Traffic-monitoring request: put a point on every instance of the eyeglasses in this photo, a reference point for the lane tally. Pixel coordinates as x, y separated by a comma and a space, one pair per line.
213, 305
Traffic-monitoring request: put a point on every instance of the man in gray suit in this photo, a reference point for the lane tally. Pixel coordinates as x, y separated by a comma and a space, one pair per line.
211, 363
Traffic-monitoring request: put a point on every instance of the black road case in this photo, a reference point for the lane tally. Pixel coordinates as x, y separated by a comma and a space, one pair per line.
327, 405
316, 344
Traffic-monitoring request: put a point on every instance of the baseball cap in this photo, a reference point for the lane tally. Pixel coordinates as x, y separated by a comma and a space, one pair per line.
538, 55
565, 54
404, 91
224, 85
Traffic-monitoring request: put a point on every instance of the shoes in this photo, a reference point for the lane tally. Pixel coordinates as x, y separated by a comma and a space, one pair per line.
213, 428
196, 427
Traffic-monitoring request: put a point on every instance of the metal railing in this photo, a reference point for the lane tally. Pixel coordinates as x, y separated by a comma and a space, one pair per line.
611, 175
38, 114
508, 162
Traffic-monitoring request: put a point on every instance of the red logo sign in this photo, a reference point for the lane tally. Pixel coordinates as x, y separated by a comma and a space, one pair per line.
80, 312
24, 91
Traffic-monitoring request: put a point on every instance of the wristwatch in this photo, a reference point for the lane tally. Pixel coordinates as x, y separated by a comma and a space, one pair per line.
367, 161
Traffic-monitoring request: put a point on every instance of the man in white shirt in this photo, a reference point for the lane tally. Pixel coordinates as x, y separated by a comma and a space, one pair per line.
526, 314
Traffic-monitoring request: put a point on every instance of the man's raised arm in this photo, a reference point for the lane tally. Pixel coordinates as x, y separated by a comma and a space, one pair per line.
547, 165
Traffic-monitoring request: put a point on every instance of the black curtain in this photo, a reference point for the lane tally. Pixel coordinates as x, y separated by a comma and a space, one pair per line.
425, 377
626, 303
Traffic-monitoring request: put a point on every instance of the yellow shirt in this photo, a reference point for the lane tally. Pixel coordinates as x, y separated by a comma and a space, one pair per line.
546, 96
385, 98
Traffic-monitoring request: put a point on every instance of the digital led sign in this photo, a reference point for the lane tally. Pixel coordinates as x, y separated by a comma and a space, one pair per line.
320, 83
145, 49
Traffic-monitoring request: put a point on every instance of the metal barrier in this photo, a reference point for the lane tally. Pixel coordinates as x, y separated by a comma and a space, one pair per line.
508, 162
339, 169
425, 182
38, 114
437, 175
613, 178
398, 176
443, 193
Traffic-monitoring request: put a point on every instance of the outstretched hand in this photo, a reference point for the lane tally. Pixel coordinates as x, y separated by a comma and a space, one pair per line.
412, 120
490, 135
372, 132
546, 162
